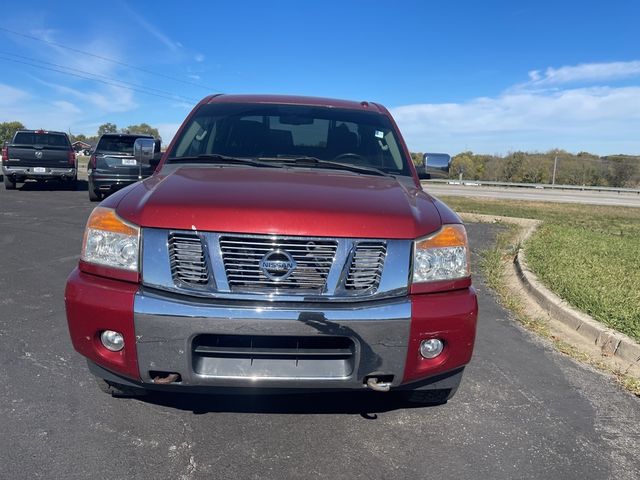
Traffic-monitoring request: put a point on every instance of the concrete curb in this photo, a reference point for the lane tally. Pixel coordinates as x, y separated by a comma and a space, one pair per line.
611, 342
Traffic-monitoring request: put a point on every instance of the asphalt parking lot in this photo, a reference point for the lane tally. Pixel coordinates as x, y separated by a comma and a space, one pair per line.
523, 410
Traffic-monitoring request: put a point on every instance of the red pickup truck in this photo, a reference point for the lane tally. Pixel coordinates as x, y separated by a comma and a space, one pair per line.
283, 244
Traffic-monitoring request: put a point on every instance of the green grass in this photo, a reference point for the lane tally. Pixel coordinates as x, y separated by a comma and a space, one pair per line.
588, 255
622, 221
597, 272
493, 263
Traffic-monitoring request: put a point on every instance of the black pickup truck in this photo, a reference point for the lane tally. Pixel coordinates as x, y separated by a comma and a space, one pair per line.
39, 155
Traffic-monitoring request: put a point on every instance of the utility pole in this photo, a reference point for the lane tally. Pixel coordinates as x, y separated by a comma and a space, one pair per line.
555, 166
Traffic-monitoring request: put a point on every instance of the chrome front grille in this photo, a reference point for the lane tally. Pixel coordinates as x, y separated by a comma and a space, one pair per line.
274, 268
366, 266
187, 260
243, 255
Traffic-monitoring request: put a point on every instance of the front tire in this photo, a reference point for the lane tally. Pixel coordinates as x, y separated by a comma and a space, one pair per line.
8, 183
93, 195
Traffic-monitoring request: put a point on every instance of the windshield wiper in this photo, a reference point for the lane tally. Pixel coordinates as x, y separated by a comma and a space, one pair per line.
220, 159
305, 161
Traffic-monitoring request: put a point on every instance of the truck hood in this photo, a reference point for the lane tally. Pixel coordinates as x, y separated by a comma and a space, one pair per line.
282, 201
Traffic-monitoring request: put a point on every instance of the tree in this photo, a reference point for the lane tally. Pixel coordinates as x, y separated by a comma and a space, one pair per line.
418, 158
107, 128
464, 164
8, 130
145, 129
79, 138
511, 166
533, 170
620, 171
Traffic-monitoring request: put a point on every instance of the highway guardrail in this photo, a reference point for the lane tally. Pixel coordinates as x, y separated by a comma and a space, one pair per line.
541, 186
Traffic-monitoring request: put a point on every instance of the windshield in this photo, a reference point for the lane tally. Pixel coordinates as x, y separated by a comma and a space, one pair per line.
41, 138
117, 143
273, 132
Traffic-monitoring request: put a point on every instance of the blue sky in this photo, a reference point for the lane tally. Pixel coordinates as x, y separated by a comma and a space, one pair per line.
491, 76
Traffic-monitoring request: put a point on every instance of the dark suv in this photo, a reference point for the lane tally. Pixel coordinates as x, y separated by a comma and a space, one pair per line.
112, 165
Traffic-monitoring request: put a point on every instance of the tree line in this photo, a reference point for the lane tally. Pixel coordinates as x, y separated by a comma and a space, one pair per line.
142, 128
534, 167
8, 129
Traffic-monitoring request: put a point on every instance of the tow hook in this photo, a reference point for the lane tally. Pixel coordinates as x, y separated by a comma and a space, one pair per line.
166, 378
379, 386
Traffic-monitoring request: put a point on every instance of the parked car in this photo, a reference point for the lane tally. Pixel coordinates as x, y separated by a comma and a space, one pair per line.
38, 155
112, 165
283, 243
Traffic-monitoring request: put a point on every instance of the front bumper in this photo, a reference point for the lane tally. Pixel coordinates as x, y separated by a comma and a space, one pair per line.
161, 334
23, 173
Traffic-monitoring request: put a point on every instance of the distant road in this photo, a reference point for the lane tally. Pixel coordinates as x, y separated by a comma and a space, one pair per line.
536, 195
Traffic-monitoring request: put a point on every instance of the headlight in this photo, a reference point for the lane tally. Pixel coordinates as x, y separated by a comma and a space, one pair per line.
110, 241
443, 255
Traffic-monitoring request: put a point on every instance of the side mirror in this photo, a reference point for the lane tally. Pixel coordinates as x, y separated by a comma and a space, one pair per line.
143, 150
436, 165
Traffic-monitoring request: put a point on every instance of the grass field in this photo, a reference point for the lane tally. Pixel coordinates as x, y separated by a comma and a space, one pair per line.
589, 255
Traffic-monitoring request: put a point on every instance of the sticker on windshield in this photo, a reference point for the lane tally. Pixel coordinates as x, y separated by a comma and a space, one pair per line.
379, 134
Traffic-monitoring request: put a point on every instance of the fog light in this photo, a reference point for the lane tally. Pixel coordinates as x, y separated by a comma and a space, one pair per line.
431, 348
111, 340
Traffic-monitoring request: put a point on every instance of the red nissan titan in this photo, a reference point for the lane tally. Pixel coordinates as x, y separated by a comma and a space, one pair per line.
282, 244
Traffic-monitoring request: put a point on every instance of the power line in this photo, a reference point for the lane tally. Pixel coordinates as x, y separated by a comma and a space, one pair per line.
106, 59
140, 90
106, 77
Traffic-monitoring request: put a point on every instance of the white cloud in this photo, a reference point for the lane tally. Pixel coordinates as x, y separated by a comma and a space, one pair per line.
10, 95
199, 57
68, 101
92, 64
586, 72
601, 119
33, 112
113, 99
110, 99
67, 107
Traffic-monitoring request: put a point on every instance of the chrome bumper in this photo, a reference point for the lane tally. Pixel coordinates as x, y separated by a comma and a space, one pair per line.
167, 326
28, 172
